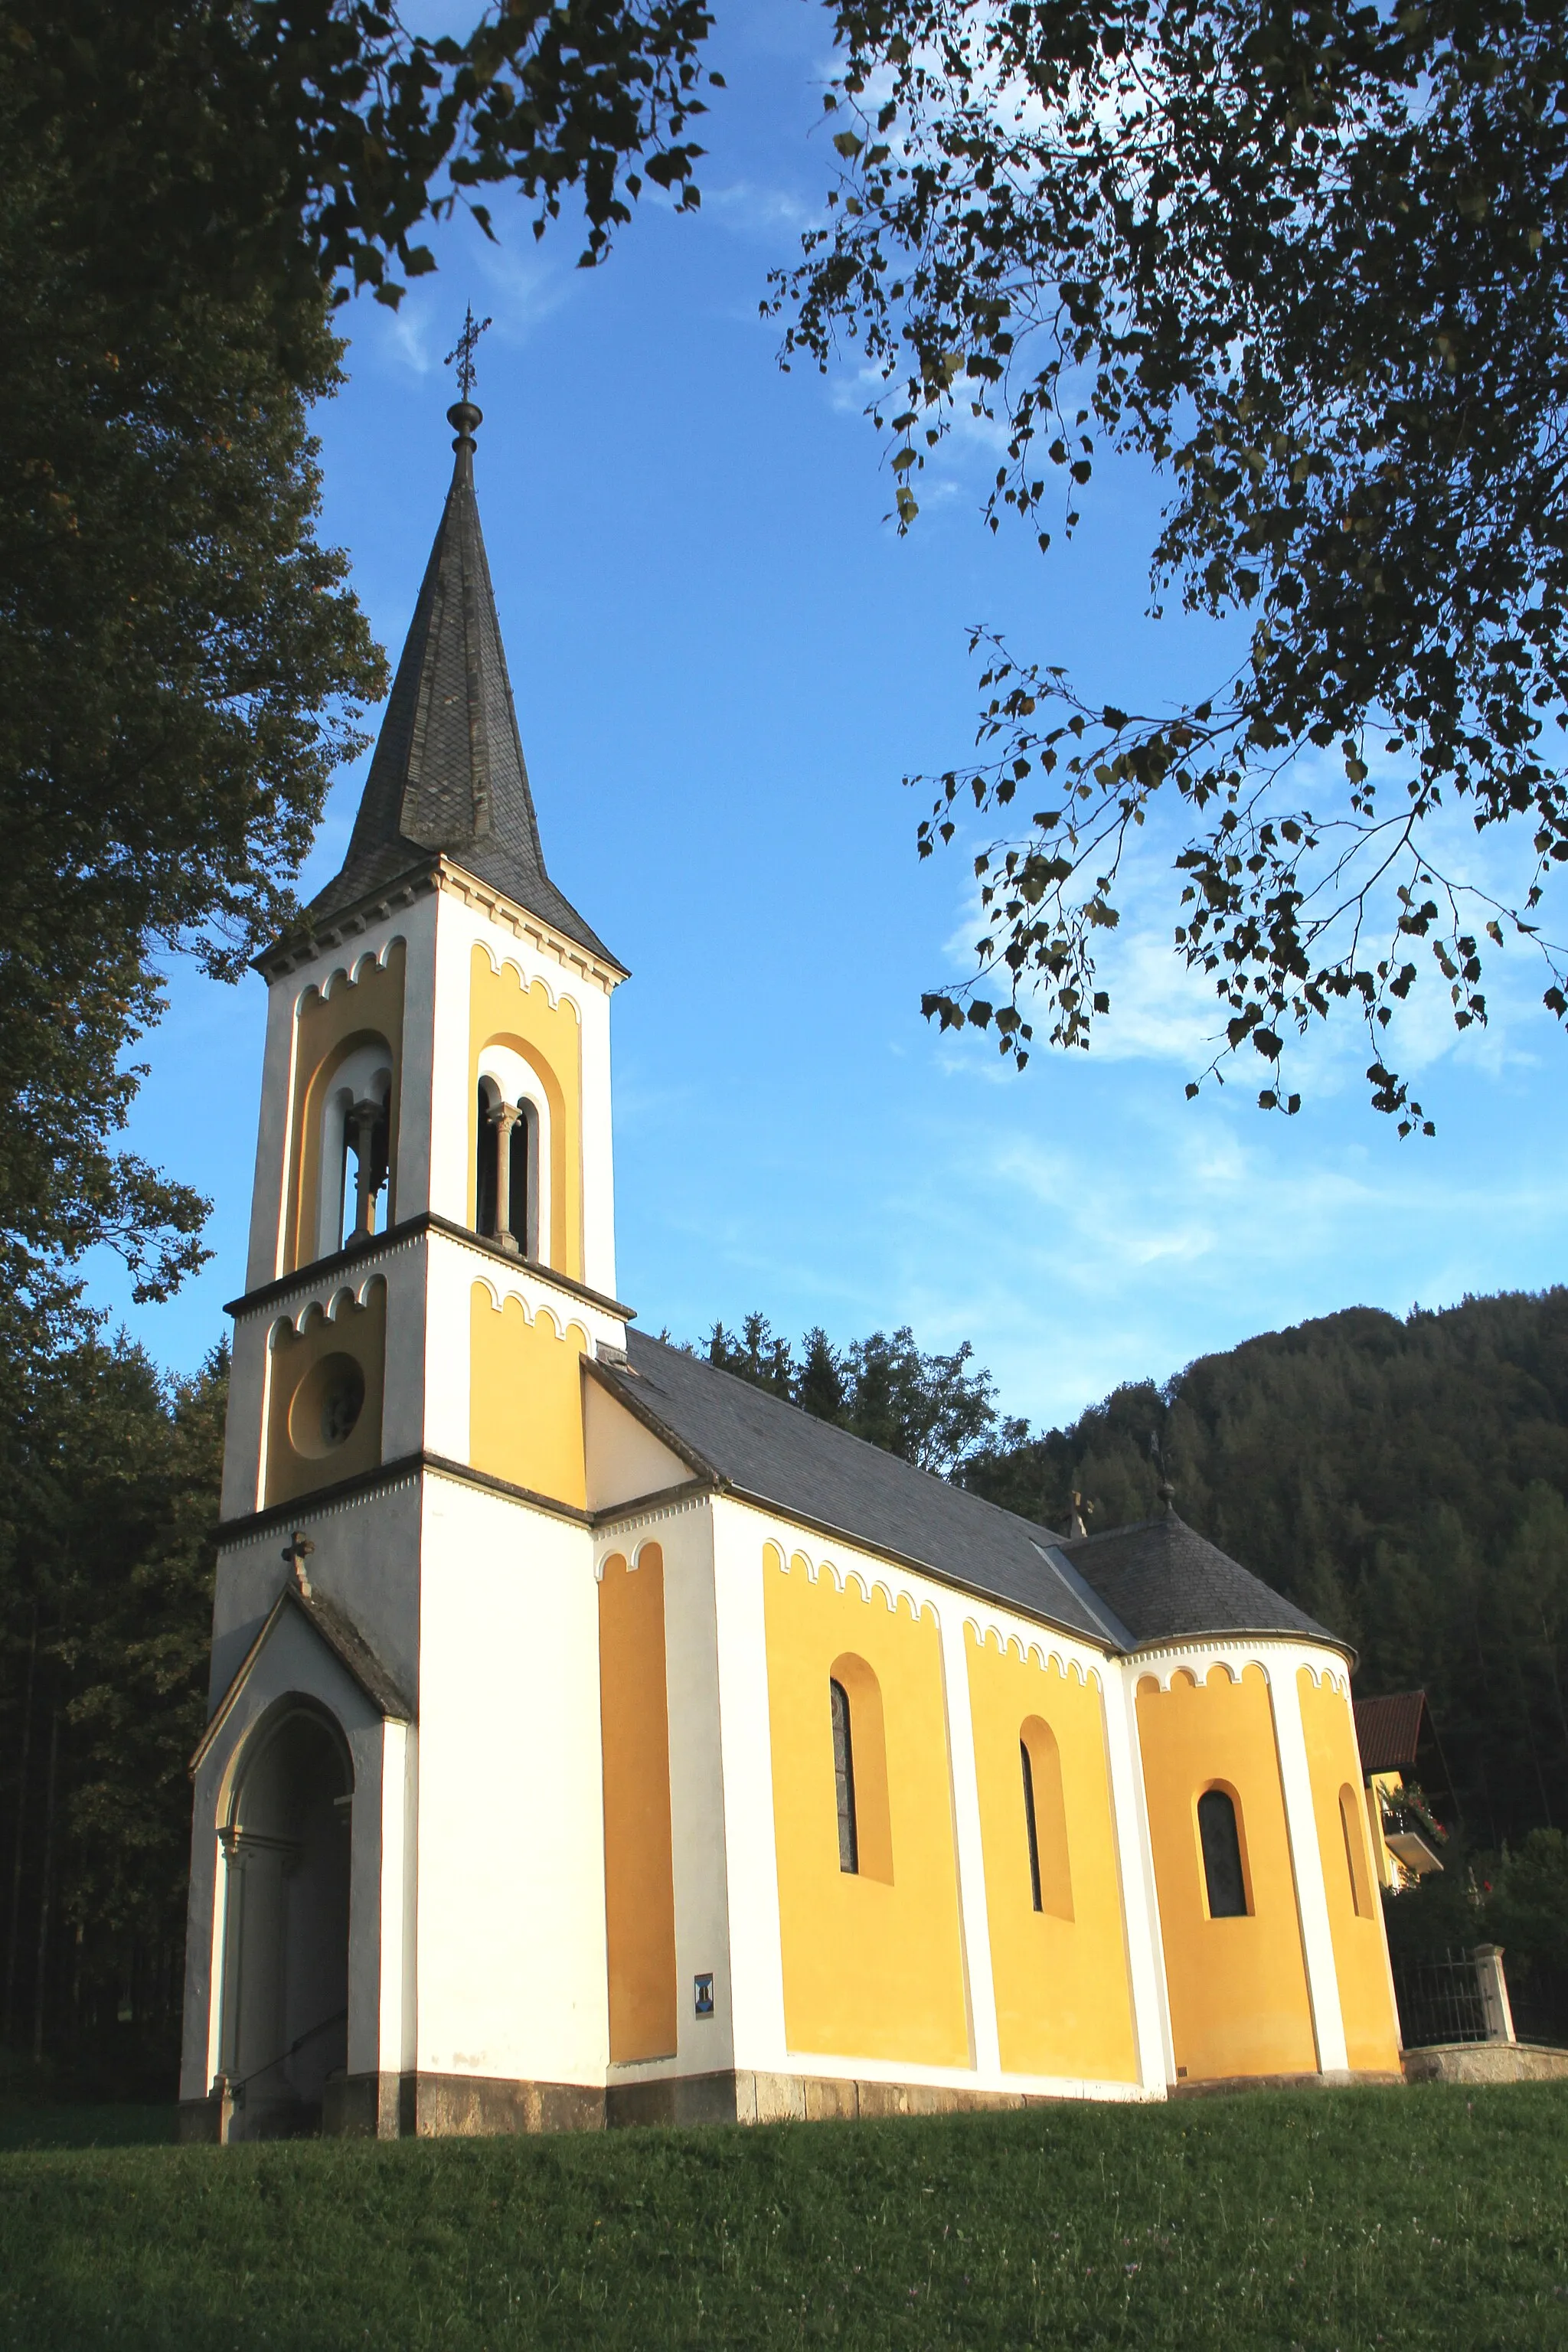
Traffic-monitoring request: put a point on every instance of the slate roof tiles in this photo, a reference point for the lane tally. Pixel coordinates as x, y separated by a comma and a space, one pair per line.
448, 774
1124, 1589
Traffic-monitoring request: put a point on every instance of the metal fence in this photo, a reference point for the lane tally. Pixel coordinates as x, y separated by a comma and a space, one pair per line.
1439, 2000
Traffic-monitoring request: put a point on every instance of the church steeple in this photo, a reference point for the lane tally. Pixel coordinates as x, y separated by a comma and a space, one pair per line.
448, 775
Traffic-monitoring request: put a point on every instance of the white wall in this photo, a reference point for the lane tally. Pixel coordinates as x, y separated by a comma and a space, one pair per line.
623, 1459
512, 1966
366, 1559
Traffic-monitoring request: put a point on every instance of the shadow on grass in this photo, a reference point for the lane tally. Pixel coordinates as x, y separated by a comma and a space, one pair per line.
26, 2124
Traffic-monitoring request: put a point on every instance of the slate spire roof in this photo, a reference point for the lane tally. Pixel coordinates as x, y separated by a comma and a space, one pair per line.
448, 774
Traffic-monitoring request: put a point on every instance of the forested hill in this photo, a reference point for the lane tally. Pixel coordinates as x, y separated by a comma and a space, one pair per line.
1402, 1481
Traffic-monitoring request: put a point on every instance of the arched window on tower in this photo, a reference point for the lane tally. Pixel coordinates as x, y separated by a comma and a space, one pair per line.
485, 1161
511, 1155
506, 1171
353, 1146
1225, 1874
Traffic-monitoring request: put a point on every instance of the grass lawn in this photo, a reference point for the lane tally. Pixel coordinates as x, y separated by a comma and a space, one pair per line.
1336, 2220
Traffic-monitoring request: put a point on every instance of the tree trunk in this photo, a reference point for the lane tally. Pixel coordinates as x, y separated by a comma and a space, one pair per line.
14, 1938
41, 1979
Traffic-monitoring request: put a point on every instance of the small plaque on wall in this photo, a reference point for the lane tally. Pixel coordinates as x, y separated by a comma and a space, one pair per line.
702, 1995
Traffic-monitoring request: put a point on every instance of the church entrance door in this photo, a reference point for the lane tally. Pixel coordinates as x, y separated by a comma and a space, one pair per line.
285, 1927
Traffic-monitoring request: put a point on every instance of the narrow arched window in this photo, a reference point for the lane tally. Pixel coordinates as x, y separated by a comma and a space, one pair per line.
1224, 1877
1031, 1826
351, 1145
1045, 1819
1356, 1853
844, 1777
485, 1165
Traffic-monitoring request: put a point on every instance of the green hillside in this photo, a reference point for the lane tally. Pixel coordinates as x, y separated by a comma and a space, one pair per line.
1402, 1481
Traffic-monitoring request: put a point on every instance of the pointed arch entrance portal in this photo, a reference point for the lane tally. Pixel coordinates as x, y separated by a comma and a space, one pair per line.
286, 1923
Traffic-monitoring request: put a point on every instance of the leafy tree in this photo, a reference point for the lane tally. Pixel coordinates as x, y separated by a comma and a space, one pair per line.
1310, 264
108, 1499
820, 1387
183, 190
931, 1409
1526, 1902
757, 1355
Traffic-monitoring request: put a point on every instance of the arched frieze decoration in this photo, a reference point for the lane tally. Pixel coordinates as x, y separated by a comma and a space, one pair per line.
343, 1300
1040, 1650
1194, 1665
1327, 1673
342, 976
503, 1291
897, 1592
557, 992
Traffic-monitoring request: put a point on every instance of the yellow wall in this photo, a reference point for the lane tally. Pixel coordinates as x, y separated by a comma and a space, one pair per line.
359, 1332
1063, 2001
872, 1966
525, 1398
1366, 2002
1237, 1987
329, 1030
501, 1012
639, 1874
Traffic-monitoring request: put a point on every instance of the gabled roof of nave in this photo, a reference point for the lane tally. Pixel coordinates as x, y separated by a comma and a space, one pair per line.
1129, 1588
448, 775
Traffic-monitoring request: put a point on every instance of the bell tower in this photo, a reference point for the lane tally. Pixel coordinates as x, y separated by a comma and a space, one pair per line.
405, 1581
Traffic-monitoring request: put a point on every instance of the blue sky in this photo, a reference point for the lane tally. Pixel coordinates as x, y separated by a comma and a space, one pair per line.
725, 661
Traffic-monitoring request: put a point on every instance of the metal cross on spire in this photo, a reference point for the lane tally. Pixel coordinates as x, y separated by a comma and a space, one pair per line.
461, 355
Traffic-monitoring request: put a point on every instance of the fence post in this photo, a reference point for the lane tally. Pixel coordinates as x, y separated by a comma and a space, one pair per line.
1493, 1984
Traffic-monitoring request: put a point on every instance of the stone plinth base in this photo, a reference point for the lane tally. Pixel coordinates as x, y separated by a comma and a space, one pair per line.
1486, 2062
740, 2097
1342, 2079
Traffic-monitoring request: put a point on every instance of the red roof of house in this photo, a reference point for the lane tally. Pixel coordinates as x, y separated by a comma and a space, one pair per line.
1389, 1730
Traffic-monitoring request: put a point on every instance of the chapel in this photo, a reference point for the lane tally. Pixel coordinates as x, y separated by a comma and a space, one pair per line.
593, 1738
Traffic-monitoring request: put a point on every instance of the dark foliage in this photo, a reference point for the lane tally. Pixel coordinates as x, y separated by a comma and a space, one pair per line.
183, 191
1404, 1482
180, 659
1309, 263
109, 1497
931, 1409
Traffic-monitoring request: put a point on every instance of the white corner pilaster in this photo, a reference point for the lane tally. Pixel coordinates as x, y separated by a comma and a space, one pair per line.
756, 1957
270, 1189
452, 960
1307, 1863
394, 2006
598, 1148
1140, 1896
416, 1075
980, 1986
